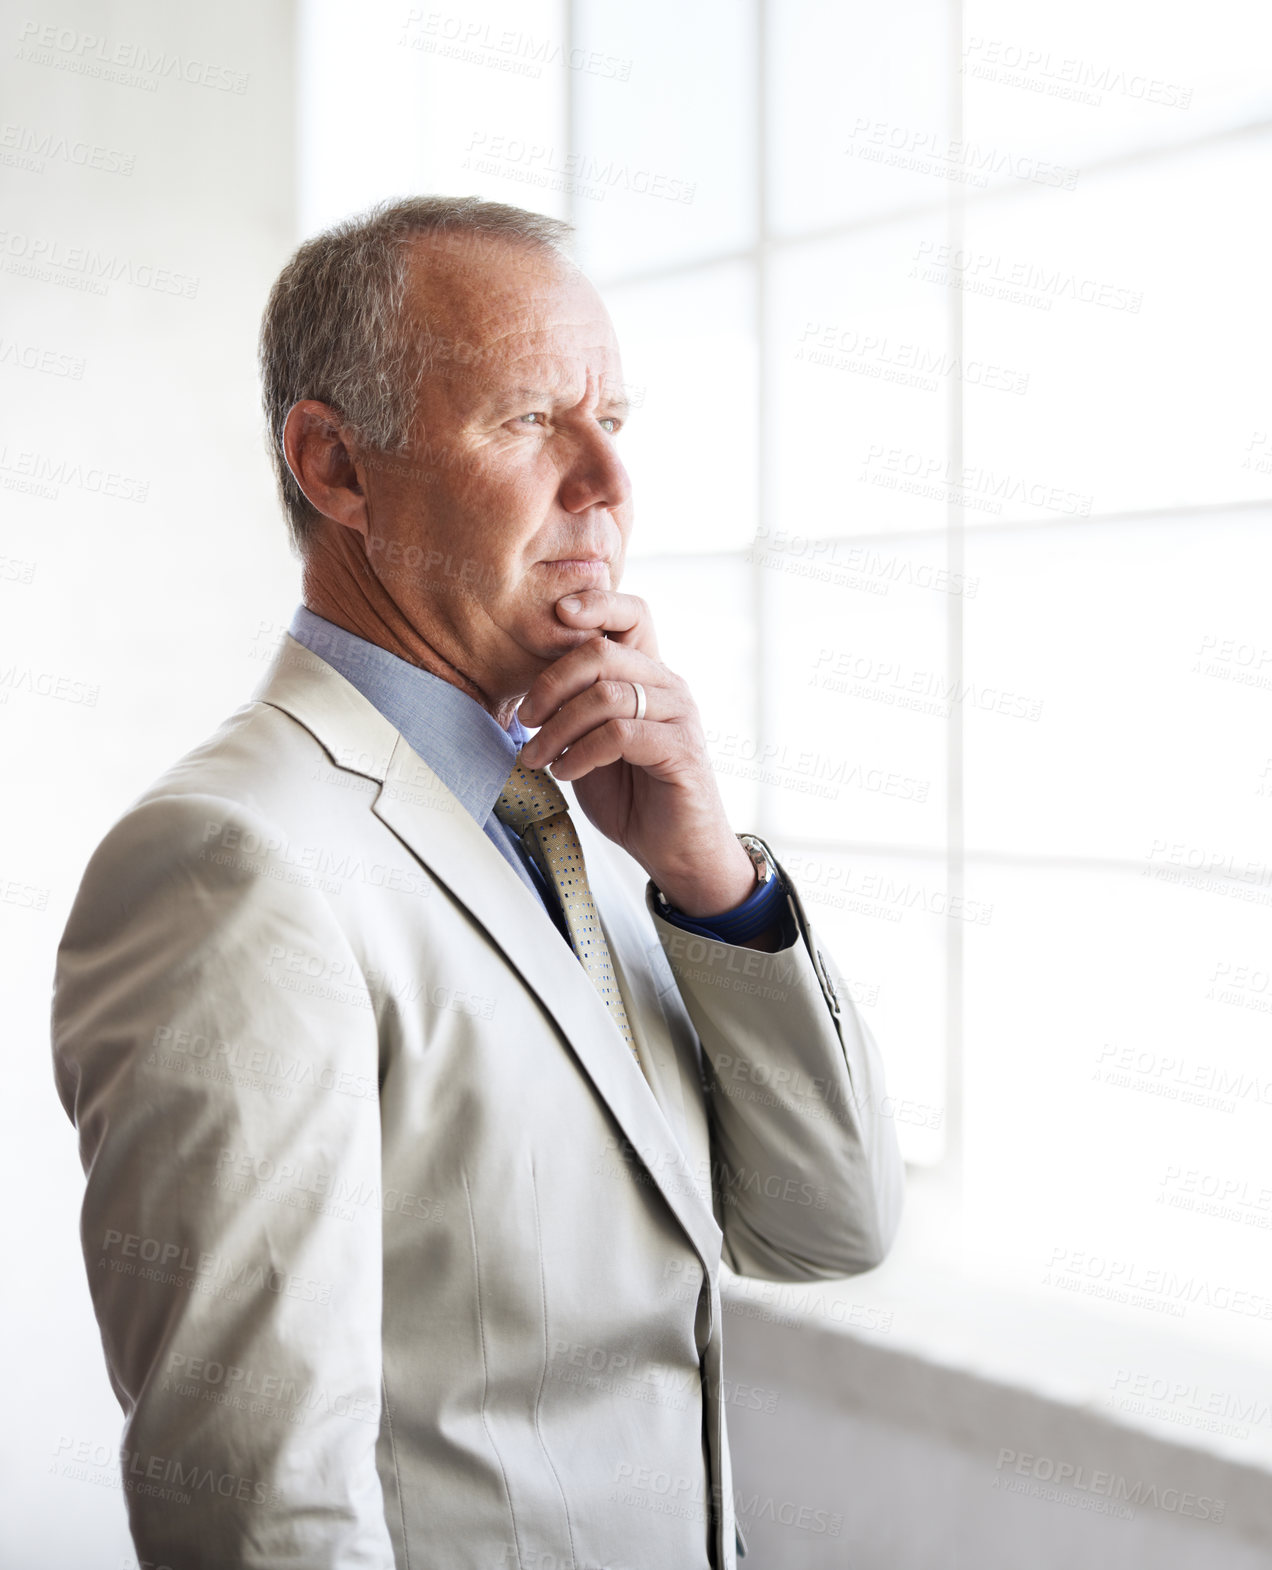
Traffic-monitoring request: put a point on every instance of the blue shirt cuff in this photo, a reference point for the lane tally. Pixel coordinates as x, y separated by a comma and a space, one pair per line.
763, 908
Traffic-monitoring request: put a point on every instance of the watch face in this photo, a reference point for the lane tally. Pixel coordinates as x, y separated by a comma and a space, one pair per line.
759, 857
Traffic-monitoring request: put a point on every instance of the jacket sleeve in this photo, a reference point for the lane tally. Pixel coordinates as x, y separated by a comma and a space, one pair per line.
805, 1167
215, 1046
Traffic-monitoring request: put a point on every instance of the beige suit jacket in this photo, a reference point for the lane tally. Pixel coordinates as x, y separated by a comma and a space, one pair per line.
399, 1258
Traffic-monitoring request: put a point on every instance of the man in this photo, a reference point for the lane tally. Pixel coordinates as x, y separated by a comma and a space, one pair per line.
421, 1097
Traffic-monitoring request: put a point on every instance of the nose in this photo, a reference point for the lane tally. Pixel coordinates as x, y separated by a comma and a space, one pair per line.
595, 476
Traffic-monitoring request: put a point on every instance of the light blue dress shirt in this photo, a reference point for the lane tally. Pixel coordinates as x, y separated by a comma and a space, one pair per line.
472, 755
466, 747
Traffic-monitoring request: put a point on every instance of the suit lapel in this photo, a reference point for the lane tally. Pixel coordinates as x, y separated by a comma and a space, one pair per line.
427, 818
432, 823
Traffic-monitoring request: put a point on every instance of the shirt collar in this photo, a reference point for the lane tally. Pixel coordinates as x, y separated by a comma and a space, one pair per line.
467, 748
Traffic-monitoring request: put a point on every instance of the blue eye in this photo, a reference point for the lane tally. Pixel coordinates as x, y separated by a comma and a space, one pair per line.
538, 417
612, 424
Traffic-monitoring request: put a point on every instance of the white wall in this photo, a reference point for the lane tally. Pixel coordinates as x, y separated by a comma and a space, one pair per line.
133, 578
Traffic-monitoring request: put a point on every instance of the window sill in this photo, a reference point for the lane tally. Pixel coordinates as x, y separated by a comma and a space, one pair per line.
921, 1307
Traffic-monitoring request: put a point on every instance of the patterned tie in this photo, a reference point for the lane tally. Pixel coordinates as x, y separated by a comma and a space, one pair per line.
531, 803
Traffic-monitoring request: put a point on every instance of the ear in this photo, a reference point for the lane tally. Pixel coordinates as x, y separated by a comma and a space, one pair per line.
322, 456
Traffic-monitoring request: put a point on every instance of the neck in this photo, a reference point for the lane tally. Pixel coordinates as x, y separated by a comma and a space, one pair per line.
339, 585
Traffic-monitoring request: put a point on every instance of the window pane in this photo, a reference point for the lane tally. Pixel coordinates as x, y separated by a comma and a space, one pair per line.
455, 100
1143, 325
1141, 653
861, 368
664, 133
1116, 1071
859, 705
689, 361
858, 117
1069, 85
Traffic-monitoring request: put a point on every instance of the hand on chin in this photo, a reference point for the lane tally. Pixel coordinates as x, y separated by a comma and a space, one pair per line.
551, 638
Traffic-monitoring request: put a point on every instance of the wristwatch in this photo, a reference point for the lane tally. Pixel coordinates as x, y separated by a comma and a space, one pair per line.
765, 869
765, 866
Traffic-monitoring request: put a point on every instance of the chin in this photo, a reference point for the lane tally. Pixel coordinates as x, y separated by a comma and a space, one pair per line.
548, 642
562, 638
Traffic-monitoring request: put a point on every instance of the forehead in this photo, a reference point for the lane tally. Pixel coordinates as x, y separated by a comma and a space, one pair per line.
502, 309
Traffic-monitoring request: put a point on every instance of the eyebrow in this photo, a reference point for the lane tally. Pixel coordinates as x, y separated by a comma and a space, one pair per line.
616, 403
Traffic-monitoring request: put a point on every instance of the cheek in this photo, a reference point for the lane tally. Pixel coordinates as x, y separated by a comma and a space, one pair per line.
485, 518
624, 523
501, 499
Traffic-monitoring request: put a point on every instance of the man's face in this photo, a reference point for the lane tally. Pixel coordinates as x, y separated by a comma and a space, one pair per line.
512, 493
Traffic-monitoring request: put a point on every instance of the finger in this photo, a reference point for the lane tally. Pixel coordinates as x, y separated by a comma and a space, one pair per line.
604, 700
660, 748
597, 659
623, 618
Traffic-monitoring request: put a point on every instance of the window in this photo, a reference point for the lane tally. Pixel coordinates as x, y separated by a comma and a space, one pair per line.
947, 333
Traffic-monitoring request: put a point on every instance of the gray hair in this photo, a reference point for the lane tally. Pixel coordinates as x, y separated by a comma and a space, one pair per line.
336, 327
